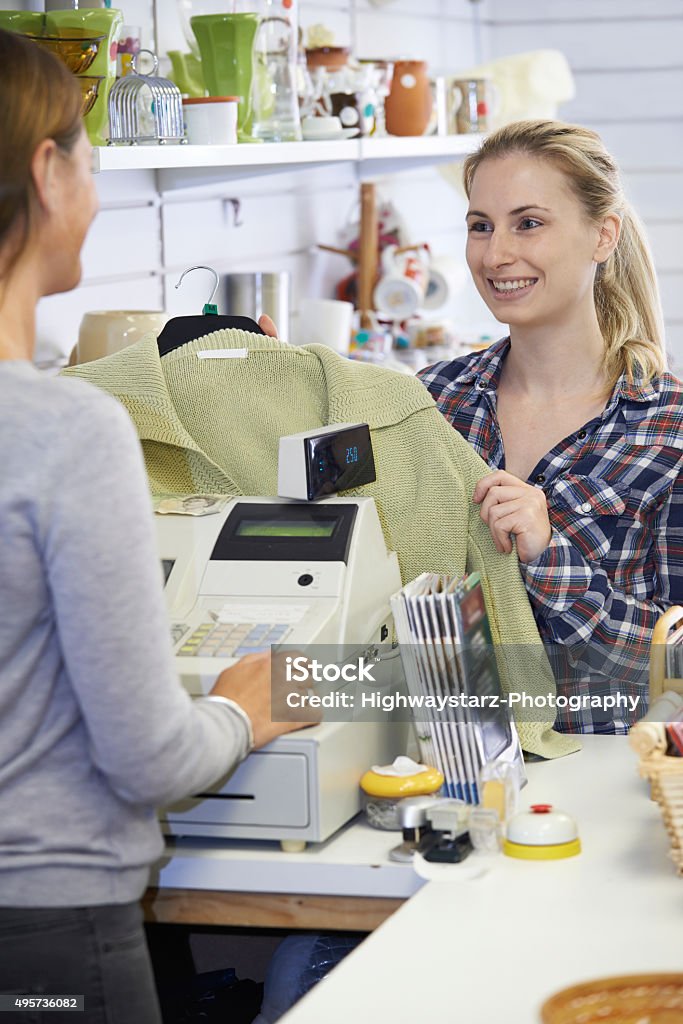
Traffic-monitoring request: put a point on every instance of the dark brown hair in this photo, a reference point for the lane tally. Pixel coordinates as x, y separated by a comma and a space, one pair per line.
40, 99
625, 291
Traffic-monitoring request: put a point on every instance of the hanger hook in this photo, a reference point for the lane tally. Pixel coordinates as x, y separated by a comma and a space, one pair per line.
211, 271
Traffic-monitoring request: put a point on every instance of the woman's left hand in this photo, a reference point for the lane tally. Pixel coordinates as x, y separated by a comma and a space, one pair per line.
267, 325
511, 508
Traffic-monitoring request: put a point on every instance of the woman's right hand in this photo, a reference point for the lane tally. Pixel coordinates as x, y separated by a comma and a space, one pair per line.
512, 508
258, 684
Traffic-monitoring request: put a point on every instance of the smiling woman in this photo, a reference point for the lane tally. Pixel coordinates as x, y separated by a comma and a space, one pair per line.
574, 411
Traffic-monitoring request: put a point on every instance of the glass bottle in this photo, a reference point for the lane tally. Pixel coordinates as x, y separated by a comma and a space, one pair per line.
274, 91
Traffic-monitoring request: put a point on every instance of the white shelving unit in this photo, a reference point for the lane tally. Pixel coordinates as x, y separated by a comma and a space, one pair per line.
183, 165
252, 155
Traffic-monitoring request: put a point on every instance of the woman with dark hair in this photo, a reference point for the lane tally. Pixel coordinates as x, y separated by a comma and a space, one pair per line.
95, 729
574, 411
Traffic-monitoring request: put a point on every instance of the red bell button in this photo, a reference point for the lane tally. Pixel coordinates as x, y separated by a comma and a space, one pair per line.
541, 808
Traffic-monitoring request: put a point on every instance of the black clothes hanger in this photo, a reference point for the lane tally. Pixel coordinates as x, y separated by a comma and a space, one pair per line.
182, 329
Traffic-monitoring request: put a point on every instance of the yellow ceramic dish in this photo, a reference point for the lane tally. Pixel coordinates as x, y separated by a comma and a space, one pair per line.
419, 784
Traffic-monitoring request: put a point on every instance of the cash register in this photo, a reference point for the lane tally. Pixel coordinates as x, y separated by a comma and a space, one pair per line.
300, 569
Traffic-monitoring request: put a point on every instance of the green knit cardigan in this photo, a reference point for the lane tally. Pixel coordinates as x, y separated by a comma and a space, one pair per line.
212, 426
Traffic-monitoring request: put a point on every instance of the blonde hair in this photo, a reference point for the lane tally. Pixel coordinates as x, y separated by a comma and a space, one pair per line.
625, 291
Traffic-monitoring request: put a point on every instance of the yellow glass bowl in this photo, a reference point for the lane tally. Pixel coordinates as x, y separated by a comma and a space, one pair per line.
628, 999
76, 51
90, 85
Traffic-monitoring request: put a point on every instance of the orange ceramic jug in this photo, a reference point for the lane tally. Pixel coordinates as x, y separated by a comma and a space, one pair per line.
409, 104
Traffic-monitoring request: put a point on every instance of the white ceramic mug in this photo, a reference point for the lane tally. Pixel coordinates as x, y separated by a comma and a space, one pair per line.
325, 322
473, 101
104, 332
446, 276
401, 290
210, 120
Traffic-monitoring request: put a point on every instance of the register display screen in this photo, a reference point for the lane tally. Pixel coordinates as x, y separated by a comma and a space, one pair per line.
285, 528
286, 532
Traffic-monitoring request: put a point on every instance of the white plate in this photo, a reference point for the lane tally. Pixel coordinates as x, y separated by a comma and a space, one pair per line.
345, 133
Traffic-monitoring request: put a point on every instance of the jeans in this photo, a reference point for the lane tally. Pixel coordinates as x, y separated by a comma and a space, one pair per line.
98, 952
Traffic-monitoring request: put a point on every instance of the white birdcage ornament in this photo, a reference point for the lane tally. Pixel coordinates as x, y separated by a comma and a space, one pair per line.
145, 108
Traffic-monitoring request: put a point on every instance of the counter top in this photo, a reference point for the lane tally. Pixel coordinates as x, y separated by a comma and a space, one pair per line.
353, 862
492, 948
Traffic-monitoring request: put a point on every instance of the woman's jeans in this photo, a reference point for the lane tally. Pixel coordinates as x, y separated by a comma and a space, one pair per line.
97, 952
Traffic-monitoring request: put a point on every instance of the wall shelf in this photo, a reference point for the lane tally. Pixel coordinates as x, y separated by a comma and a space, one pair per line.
184, 166
255, 155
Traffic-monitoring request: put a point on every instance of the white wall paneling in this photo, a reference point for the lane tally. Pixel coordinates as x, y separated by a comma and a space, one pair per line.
123, 241
272, 223
592, 41
643, 145
665, 239
674, 343
671, 289
658, 197
627, 95
126, 188
502, 13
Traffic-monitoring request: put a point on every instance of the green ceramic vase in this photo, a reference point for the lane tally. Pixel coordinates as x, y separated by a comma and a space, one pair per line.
187, 73
226, 45
24, 22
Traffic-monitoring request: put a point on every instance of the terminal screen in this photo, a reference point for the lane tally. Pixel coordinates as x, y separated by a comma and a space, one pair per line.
286, 528
339, 461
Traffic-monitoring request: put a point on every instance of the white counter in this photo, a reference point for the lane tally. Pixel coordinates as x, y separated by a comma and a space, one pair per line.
353, 862
490, 950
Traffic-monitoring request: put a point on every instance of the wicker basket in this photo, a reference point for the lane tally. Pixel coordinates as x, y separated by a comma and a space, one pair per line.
630, 999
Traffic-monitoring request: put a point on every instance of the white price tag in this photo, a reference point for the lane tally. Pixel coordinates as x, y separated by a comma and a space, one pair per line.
223, 353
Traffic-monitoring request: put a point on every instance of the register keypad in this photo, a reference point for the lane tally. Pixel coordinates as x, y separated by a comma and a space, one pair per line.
178, 631
231, 640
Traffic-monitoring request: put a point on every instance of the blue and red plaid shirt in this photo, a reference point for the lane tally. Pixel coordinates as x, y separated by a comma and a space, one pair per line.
614, 490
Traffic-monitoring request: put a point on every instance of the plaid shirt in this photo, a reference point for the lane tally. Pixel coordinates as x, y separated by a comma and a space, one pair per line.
614, 490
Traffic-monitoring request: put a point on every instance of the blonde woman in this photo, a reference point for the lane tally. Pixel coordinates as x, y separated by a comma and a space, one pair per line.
574, 412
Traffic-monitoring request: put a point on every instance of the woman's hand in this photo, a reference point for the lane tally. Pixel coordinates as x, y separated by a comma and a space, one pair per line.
258, 684
267, 325
511, 508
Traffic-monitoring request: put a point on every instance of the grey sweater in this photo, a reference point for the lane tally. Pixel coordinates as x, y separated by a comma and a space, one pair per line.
95, 729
